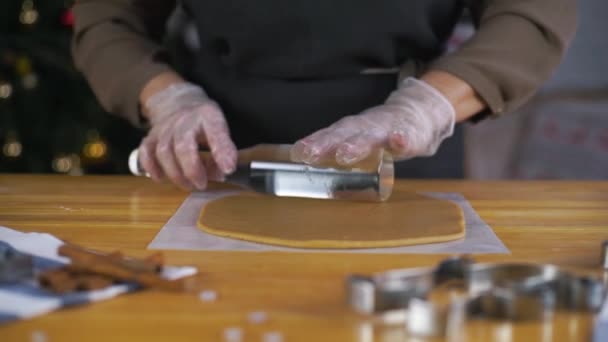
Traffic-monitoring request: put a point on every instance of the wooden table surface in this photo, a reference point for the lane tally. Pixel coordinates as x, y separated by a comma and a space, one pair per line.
302, 294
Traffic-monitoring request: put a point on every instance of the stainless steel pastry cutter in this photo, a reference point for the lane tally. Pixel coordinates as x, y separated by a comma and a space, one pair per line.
269, 169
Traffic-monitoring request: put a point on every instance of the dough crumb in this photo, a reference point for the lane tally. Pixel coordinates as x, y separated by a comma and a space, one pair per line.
38, 336
207, 296
257, 317
272, 336
233, 334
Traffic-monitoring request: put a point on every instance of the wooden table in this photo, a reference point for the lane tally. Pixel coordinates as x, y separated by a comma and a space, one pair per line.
302, 294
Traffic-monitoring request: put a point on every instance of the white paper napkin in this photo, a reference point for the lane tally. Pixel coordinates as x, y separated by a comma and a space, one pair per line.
27, 299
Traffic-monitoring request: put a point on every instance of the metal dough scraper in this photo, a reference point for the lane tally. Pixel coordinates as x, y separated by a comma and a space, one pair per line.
269, 169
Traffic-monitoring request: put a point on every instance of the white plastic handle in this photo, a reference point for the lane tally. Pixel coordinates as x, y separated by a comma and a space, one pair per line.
134, 166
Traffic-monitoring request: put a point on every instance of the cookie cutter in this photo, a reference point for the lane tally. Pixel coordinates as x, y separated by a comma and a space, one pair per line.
14, 265
514, 291
604, 252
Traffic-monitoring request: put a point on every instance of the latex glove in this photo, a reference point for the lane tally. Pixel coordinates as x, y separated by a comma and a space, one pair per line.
182, 117
413, 121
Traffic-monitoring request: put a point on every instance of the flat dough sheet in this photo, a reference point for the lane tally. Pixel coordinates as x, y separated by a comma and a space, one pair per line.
405, 219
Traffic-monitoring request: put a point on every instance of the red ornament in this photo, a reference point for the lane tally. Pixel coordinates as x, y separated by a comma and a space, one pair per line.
67, 18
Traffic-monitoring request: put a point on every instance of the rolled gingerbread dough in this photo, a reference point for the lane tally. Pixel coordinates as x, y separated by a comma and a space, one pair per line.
405, 219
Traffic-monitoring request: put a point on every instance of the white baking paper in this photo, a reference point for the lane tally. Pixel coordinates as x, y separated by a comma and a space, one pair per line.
181, 232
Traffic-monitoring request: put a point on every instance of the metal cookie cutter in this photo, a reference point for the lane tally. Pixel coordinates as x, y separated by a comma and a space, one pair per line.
516, 291
14, 265
512, 291
394, 289
604, 252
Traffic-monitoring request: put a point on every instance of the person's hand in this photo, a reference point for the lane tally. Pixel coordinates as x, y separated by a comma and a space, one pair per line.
183, 118
413, 121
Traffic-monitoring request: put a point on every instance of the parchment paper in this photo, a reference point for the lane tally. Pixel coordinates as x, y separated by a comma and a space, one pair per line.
181, 232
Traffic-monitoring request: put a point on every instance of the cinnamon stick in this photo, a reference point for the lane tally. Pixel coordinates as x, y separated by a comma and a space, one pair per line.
144, 273
57, 280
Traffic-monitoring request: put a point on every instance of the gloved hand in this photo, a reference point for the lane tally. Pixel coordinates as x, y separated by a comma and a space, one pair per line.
413, 121
182, 117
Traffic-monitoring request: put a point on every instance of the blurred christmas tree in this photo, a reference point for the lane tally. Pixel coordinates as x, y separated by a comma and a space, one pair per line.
49, 119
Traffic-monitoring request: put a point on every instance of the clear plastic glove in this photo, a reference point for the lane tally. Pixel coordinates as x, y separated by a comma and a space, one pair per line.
413, 122
183, 118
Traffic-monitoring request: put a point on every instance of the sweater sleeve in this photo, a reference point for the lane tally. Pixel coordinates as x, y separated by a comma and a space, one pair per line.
517, 46
116, 45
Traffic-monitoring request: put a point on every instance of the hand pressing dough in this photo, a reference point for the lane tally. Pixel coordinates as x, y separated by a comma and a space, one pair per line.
405, 219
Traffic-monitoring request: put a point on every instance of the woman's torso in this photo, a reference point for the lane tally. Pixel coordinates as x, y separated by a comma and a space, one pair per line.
283, 69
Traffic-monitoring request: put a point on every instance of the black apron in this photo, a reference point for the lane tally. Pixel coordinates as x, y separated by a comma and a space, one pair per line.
282, 70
